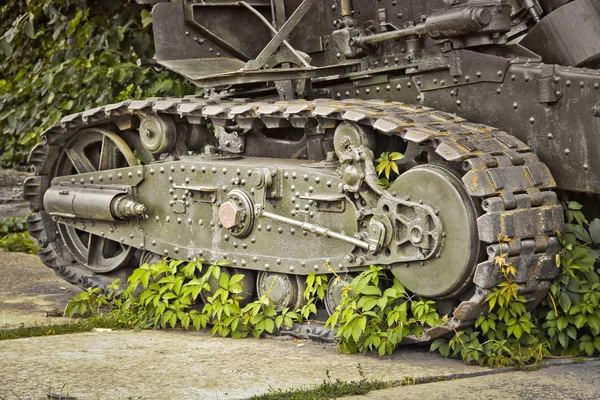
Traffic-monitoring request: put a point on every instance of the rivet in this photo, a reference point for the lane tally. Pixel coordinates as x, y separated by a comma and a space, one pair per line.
201, 222
172, 168
292, 231
567, 152
532, 120
121, 239
316, 267
224, 170
119, 175
214, 170
267, 266
253, 240
193, 168
268, 228
291, 268
166, 252
515, 105
244, 245
131, 235
255, 259
102, 233
162, 170
168, 219
153, 242
178, 220
235, 244
139, 172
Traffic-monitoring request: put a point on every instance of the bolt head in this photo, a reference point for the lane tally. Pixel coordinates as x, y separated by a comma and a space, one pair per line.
229, 214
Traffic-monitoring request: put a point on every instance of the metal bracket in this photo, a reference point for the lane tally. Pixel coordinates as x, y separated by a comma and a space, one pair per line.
550, 85
280, 37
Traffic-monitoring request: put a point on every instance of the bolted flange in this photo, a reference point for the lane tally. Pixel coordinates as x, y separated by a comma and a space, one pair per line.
236, 213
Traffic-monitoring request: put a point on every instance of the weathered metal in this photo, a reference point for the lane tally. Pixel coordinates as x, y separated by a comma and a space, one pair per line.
301, 108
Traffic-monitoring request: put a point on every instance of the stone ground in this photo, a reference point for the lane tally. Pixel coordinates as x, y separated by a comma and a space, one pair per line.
174, 364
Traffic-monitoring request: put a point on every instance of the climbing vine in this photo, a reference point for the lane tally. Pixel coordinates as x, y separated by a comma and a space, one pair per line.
58, 57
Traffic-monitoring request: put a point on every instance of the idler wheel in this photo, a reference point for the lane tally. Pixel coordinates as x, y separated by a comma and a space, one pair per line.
284, 291
94, 149
448, 272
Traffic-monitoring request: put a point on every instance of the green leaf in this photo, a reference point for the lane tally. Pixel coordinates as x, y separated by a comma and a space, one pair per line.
28, 28
370, 290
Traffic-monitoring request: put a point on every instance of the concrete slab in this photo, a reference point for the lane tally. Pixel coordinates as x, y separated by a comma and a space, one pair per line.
30, 292
174, 364
557, 381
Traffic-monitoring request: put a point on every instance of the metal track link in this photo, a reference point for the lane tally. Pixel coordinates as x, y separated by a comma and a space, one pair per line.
500, 172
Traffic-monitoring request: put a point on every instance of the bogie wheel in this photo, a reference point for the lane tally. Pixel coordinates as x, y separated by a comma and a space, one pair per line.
90, 150
335, 292
283, 290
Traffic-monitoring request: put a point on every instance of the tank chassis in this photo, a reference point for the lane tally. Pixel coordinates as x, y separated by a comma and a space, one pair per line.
286, 184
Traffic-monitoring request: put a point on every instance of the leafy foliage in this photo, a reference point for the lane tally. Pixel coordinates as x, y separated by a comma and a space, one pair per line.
63, 56
369, 319
386, 164
14, 236
566, 323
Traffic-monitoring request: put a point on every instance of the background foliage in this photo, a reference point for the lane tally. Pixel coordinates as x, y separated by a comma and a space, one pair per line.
58, 57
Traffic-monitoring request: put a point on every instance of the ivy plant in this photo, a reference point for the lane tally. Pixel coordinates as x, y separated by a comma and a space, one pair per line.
63, 56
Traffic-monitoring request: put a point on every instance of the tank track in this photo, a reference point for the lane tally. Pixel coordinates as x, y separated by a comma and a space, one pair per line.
500, 172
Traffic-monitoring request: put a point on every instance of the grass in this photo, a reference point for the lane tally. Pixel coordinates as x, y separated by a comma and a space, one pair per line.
77, 326
327, 390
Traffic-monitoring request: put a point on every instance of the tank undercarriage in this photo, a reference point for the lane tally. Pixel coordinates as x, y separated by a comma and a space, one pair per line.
289, 188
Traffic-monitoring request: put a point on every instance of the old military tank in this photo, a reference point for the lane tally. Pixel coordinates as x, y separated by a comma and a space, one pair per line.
494, 103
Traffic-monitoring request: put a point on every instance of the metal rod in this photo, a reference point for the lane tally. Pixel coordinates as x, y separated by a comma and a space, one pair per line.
275, 31
346, 6
318, 230
417, 30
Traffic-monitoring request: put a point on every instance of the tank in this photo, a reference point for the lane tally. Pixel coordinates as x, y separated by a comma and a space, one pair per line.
494, 104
